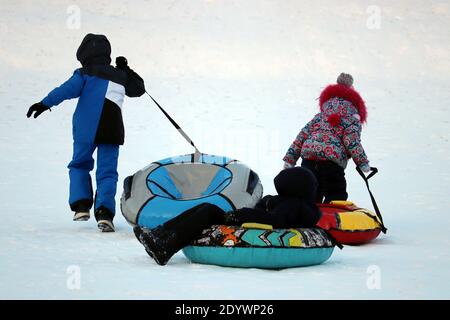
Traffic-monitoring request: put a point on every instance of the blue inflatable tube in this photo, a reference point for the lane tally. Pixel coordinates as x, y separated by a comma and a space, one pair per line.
166, 188
257, 257
249, 247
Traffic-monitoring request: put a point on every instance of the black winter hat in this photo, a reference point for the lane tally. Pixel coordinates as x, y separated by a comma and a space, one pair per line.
94, 49
297, 182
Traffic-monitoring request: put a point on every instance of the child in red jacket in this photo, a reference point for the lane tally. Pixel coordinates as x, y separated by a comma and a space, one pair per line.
331, 138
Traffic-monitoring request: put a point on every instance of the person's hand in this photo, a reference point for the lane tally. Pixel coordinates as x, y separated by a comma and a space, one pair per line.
365, 168
37, 108
287, 165
121, 62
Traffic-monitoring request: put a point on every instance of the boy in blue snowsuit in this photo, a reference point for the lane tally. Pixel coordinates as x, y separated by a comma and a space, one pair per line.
97, 124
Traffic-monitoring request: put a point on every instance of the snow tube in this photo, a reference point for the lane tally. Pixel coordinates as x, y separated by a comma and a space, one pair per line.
348, 223
259, 246
166, 188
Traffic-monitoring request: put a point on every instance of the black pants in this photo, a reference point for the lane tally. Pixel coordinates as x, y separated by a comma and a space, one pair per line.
331, 178
190, 224
288, 213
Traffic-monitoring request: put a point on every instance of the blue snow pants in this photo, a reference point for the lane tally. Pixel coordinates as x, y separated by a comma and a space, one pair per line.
81, 192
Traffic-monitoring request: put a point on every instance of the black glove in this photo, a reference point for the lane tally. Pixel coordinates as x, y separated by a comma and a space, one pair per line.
232, 219
268, 203
121, 63
37, 108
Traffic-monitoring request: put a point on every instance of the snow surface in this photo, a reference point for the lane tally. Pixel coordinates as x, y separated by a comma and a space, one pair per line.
241, 77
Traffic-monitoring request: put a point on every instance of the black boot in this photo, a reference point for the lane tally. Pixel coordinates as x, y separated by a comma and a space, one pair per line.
159, 243
104, 219
138, 232
163, 242
81, 209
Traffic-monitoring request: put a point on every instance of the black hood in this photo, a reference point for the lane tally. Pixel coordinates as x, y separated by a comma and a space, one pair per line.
95, 49
297, 182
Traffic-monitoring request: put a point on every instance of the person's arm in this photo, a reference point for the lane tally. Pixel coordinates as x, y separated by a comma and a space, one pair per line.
134, 86
295, 149
68, 90
353, 146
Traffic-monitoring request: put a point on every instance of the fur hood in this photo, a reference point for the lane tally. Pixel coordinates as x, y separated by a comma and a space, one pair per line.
346, 93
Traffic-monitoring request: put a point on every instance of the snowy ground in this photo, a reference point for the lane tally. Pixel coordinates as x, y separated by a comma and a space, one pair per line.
241, 77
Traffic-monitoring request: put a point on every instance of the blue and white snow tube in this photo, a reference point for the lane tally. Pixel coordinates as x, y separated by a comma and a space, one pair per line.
166, 188
260, 246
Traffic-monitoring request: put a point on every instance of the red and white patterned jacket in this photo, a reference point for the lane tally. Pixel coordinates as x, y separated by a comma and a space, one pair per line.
334, 134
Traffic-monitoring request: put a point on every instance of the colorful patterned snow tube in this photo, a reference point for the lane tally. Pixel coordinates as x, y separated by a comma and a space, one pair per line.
260, 246
166, 188
348, 223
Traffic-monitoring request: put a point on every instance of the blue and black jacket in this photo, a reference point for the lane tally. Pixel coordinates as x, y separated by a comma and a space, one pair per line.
101, 90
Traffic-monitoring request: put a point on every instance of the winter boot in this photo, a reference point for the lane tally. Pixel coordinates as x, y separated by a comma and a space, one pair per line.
159, 243
138, 232
81, 209
81, 216
104, 219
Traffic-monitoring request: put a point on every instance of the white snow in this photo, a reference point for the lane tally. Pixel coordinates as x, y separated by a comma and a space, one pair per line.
241, 77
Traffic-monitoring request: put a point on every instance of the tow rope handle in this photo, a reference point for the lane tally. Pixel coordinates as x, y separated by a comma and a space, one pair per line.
374, 203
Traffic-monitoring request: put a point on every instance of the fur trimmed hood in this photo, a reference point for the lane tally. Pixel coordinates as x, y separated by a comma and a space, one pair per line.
346, 93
